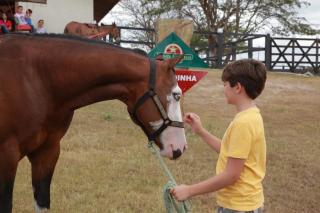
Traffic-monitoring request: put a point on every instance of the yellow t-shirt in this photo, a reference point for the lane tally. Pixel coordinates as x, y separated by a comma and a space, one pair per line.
244, 139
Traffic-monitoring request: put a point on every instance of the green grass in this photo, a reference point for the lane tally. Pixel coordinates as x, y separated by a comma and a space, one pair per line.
105, 165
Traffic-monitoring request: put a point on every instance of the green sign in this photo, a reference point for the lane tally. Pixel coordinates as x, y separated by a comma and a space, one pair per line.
173, 45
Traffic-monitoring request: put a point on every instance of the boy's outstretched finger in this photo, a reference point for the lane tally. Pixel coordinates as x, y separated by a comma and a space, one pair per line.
187, 117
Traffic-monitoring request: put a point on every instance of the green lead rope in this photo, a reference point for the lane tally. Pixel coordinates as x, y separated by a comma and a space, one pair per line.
169, 201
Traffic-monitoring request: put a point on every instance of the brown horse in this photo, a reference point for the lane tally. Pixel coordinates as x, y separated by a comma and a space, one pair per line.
92, 30
40, 90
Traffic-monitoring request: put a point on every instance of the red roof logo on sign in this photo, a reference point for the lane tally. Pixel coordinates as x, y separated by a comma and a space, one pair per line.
173, 49
188, 78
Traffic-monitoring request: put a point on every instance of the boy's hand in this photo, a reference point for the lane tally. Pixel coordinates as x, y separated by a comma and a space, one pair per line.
181, 192
194, 121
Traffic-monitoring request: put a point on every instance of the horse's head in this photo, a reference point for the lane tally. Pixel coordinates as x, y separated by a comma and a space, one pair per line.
157, 109
115, 32
111, 30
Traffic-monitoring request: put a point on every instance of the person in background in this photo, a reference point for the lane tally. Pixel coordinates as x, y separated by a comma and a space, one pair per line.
11, 18
28, 16
21, 21
29, 20
40, 27
5, 24
20, 17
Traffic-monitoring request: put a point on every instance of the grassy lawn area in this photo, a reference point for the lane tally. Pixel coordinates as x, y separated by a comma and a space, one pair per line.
105, 165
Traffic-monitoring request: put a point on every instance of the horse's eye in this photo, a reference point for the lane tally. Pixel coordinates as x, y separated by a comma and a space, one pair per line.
176, 96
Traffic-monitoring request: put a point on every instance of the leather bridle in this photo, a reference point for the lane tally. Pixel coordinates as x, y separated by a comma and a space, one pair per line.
156, 100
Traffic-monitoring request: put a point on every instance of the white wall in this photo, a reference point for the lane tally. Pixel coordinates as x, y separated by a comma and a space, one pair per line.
57, 13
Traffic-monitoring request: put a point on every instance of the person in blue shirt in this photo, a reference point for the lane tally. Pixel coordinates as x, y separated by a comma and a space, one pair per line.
29, 20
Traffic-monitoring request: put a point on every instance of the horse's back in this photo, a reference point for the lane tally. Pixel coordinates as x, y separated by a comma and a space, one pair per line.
81, 29
68, 28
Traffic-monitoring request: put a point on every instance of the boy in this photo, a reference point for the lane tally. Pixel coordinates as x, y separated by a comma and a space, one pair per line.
20, 17
29, 20
27, 17
241, 164
40, 28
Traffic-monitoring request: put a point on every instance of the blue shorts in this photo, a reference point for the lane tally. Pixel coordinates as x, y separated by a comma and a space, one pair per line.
225, 210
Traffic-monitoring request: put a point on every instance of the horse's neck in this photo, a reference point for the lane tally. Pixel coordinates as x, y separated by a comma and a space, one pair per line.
106, 28
97, 75
91, 25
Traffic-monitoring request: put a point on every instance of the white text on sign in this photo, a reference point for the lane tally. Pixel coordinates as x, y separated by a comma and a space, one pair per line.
186, 78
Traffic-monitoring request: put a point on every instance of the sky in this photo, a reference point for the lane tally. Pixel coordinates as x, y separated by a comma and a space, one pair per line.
311, 13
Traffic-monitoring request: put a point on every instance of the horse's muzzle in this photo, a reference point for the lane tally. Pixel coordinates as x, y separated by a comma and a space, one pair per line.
176, 154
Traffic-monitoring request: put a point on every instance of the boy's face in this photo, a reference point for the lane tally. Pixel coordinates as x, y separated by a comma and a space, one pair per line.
40, 24
20, 9
230, 92
28, 14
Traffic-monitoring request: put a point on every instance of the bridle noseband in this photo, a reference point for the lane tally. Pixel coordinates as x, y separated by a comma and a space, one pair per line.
156, 100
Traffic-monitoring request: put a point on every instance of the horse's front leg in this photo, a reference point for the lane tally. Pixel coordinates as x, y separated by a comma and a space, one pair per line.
9, 158
43, 162
6, 189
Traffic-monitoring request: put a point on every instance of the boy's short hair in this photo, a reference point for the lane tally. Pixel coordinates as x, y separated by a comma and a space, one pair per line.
29, 11
250, 73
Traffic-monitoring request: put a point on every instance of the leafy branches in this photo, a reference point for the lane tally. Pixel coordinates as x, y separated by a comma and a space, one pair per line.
279, 17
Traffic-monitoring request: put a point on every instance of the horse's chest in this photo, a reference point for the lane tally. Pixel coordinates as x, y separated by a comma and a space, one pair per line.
51, 131
34, 141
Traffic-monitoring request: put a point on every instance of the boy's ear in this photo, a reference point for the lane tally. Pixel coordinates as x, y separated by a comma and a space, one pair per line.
174, 61
239, 87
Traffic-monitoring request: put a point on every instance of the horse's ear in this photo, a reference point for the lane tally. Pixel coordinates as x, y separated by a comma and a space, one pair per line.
159, 57
174, 61
113, 24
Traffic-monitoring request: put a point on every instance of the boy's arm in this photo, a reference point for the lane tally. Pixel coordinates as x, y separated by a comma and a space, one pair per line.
228, 177
213, 141
16, 19
195, 122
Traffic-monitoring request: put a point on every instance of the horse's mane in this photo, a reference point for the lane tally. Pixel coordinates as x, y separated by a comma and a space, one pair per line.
77, 38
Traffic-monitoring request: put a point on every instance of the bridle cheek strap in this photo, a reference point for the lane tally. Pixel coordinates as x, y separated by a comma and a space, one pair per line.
155, 98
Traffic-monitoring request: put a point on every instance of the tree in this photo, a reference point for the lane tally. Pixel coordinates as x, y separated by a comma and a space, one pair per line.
250, 16
281, 17
145, 14
247, 16
141, 16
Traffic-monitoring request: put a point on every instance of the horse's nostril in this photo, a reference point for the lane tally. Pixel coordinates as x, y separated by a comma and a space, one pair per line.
176, 154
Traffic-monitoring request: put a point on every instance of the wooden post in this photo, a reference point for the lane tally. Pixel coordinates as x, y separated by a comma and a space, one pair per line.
220, 50
268, 52
250, 48
292, 67
317, 55
209, 60
234, 49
